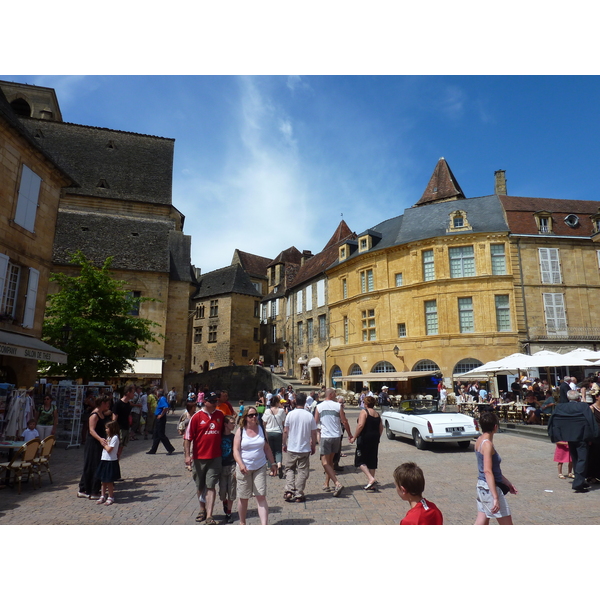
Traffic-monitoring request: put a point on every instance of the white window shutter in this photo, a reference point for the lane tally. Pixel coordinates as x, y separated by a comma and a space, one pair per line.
27, 202
320, 293
545, 265
299, 301
3, 269
32, 287
309, 297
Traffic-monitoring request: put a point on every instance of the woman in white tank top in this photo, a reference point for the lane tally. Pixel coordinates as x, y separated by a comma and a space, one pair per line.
251, 452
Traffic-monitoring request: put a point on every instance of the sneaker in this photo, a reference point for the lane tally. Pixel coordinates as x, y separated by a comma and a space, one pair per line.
82, 495
95, 497
228, 518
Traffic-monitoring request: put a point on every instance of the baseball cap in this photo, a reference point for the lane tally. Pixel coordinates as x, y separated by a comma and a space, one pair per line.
212, 397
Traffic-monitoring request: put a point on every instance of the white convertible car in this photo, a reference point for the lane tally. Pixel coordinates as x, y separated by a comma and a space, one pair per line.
421, 421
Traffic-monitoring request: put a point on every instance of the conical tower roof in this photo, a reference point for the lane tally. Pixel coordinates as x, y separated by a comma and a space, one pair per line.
442, 186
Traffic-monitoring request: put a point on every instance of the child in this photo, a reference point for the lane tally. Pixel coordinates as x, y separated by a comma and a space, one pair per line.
410, 484
227, 483
108, 470
562, 455
184, 420
31, 432
241, 411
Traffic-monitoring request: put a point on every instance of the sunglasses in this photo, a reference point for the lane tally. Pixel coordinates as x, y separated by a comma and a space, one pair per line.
210, 401
252, 415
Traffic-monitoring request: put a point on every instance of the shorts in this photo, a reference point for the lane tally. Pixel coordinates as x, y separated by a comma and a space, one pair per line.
124, 437
485, 501
253, 483
330, 446
227, 483
207, 473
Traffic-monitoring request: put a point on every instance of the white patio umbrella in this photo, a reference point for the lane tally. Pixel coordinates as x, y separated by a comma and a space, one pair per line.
508, 364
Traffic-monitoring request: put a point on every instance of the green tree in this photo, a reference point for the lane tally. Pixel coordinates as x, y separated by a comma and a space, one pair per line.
90, 319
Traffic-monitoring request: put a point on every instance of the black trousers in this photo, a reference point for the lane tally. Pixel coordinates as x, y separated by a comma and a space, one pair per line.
160, 435
579, 456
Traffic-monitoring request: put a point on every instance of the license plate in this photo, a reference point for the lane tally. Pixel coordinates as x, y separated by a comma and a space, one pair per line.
454, 430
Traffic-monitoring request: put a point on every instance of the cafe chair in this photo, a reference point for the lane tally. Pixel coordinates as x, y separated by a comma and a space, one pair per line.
43, 458
22, 462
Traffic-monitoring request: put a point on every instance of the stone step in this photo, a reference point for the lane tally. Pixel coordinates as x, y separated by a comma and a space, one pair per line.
539, 432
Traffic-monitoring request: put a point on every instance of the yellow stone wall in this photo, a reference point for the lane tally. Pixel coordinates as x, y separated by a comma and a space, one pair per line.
235, 332
580, 285
25, 248
405, 304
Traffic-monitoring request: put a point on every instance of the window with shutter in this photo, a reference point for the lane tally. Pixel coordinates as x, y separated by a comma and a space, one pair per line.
550, 265
556, 317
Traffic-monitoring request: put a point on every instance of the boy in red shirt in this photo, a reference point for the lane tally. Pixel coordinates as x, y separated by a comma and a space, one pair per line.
410, 483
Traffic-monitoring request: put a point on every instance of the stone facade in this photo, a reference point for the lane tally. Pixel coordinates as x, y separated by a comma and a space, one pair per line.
455, 282
225, 309
120, 205
25, 249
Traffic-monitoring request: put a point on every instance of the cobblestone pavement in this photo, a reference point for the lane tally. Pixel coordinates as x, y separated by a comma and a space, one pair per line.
158, 490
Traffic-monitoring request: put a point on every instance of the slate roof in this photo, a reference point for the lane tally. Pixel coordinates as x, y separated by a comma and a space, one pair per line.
291, 255
228, 280
137, 244
520, 211
320, 262
442, 185
130, 166
254, 265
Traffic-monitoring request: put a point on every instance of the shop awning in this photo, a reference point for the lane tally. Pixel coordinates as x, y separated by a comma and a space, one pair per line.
145, 367
391, 376
24, 346
315, 362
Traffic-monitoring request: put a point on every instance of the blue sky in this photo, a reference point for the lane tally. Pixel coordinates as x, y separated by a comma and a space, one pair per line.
263, 163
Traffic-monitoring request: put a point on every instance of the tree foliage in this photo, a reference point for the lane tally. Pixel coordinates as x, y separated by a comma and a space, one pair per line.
90, 319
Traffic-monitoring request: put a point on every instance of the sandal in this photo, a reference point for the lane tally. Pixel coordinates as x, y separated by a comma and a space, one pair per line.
571, 475
109, 501
201, 516
326, 488
299, 499
561, 476
287, 496
210, 522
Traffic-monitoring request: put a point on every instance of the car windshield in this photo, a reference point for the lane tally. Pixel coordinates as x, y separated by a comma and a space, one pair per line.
418, 407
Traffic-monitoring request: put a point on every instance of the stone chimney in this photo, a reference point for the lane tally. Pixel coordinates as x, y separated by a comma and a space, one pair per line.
306, 254
500, 184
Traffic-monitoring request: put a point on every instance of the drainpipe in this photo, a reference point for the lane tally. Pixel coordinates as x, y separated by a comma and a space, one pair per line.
523, 294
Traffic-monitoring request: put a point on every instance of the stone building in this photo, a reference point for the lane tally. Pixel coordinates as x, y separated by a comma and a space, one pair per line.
454, 282
121, 207
275, 308
307, 327
555, 254
226, 317
31, 185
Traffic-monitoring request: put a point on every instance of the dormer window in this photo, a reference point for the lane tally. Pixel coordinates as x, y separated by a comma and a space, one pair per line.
596, 222
543, 220
342, 252
364, 243
458, 221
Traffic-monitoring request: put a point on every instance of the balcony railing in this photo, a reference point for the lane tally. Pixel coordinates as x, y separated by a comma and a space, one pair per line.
565, 333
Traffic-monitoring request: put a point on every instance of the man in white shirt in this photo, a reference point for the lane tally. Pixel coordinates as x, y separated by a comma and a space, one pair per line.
299, 443
330, 414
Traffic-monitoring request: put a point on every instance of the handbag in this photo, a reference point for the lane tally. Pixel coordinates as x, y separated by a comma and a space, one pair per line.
505, 489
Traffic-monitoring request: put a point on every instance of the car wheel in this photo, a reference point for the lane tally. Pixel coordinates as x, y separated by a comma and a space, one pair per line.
388, 432
464, 444
419, 441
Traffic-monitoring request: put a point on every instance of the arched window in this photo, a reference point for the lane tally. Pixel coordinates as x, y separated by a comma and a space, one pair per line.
425, 365
355, 370
383, 367
21, 107
466, 364
336, 372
